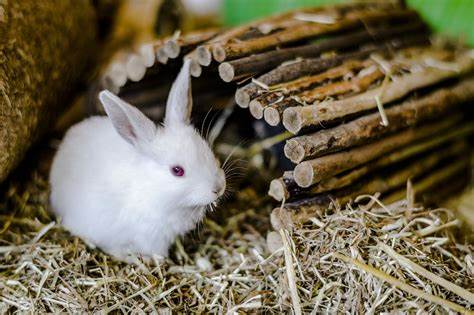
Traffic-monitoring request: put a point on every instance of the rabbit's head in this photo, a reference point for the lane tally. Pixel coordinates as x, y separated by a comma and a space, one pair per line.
179, 163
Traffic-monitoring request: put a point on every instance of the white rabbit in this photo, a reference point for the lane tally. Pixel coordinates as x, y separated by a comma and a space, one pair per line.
130, 187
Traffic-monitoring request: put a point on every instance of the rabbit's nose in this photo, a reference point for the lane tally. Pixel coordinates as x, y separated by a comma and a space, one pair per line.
219, 191
220, 184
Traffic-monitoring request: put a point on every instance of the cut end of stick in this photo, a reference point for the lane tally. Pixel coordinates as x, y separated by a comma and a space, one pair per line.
304, 174
204, 56
256, 109
281, 219
148, 54
135, 68
161, 56
117, 74
294, 151
271, 116
219, 53
172, 49
226, 72
277, 190
195, 69
292, 120
242, 98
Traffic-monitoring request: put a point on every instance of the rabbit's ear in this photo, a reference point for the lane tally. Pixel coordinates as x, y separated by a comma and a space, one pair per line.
180, 102
129, 121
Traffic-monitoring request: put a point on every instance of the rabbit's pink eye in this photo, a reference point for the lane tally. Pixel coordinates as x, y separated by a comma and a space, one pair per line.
177, 171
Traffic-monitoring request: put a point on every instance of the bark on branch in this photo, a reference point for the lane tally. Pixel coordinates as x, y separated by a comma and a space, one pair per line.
296, 118
314, 171
367, 128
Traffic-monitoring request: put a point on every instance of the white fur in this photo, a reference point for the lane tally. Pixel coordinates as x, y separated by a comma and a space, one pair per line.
111, 179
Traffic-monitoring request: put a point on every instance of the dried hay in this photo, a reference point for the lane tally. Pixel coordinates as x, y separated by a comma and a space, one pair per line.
335, 263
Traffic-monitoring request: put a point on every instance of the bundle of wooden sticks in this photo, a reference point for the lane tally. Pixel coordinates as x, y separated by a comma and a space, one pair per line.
371, 100
143, 75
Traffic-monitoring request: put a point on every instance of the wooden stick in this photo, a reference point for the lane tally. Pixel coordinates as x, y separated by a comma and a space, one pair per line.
280, 187
116, 74
161, 55
195, 68
273, 110
359, 83
313, 171
251, 65
452, 172
398, 177
203, 52
272, 104
367, 128
302, 210
176, 46
116, 71
306, 67
135, 67
296, 118
204, 56
274, 98
172, 48
147, 53
286, 187
233, 50
247, 31
256, 107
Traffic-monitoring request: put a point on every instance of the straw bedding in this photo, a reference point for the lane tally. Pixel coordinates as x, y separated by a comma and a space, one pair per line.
337, 262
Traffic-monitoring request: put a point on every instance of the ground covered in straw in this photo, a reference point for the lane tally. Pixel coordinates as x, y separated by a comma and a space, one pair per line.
342, 261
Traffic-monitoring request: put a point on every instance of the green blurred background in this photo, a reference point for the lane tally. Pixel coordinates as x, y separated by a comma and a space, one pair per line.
452, 17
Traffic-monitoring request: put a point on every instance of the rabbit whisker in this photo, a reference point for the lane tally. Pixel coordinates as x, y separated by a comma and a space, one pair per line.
204, 121
232, 152
210, 124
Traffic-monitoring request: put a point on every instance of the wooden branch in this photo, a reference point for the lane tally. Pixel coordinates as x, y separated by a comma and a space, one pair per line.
204, 56
258, 63
384, 183
161, 55
313, 171
450, 174
233, 50
307, 67
135, 67
116, 73
286, 187
171, 48
203, 52
266, 104
258, 29
195, 67
176, 46
280, 188
357, 84
147, 53
368, 128
256, 107
296, 118
242, 33
303, 209
272, 111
